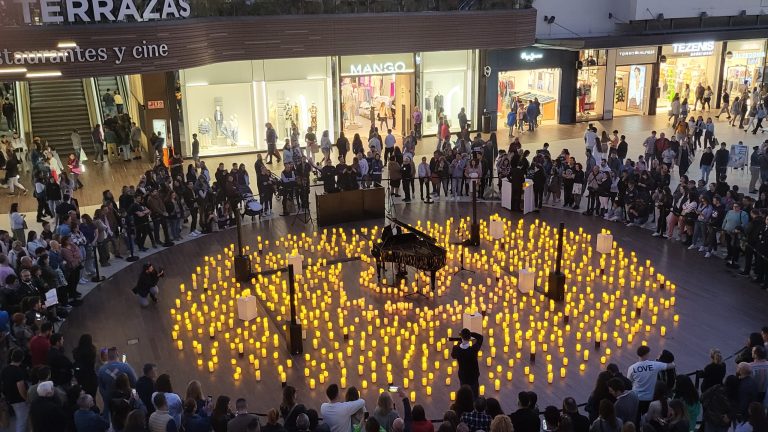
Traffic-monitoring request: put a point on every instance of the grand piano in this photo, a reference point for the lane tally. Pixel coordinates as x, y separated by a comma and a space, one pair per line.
414, 248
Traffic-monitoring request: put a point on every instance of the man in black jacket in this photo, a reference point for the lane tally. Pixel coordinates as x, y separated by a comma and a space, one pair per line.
722, 156
465, 354
61, 366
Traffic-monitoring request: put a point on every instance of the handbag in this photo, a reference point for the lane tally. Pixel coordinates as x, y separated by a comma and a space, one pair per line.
577, 188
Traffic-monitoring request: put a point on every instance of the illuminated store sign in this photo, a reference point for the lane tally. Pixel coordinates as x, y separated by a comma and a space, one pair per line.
694, 49
61, 11
531, 56
378, 68
637, 52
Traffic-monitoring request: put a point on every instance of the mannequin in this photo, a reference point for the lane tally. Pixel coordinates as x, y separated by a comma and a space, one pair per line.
204, 130
313, 116
288, 118
218, 117
234, 129
295, 114
438, 104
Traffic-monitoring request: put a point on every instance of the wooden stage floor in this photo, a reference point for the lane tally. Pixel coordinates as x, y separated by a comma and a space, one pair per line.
715, 309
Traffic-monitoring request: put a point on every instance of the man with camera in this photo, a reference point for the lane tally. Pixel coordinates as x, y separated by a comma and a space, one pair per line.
465, 352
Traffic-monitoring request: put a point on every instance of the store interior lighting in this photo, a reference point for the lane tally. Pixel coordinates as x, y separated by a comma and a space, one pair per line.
66, 44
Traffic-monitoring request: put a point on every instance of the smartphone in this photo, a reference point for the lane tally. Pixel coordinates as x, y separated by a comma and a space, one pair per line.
544, 425
393, 389
365, 415
124, 358
210, 399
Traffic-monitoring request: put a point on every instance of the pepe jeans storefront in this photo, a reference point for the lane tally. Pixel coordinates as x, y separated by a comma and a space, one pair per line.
529, 74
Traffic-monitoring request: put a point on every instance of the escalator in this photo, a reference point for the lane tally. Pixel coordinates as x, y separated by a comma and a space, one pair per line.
111, 84
56, 108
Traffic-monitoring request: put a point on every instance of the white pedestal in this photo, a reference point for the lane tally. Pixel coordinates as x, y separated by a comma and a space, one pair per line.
506, 194
246, 308
297, 261
526, 280
604, 243
473, 322
528, 201
496, 228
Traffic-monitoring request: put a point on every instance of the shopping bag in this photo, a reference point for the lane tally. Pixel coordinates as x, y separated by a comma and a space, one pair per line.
83, 156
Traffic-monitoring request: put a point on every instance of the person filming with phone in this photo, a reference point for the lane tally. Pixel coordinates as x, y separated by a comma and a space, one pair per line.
147, 284
465, 352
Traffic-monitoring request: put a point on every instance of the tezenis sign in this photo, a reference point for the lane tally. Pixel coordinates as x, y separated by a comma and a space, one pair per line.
61, 11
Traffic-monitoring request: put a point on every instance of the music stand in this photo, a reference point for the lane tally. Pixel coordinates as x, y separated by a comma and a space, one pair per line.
391, 212
303, 215
462, 245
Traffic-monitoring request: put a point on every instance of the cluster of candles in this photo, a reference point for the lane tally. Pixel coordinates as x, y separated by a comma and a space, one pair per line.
361, 332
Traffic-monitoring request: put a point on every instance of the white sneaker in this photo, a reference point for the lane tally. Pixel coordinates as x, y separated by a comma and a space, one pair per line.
702, 249
691, 247
630, 224
656, 234
707, 255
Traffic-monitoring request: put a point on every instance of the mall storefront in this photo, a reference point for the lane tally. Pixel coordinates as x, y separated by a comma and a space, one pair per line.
647, 78
228, 104
530, 74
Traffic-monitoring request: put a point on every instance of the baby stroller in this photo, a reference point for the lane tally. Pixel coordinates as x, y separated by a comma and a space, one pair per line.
252, 206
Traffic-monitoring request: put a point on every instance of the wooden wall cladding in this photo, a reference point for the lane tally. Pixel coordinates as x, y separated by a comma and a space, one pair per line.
201, 41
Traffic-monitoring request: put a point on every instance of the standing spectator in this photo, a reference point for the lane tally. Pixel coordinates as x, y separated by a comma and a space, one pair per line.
716, 405
714, 372
97, 135
60, 364
626, 405
733, 226
40, 344
18, 224
86, 419
145, 386
161, 420
46, 412
337, 414
607, 421
243, 419
643, 375
722, 157
107, 374
465, 353
580, 422
687, 393
747, 390
272, 144
135, 136
9, 112
14, 389
173, 401
84, 356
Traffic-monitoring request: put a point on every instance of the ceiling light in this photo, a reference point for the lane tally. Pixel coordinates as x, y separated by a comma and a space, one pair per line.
13, 70
47, 74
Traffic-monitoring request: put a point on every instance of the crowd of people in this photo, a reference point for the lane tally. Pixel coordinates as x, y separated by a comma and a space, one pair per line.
94, 389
